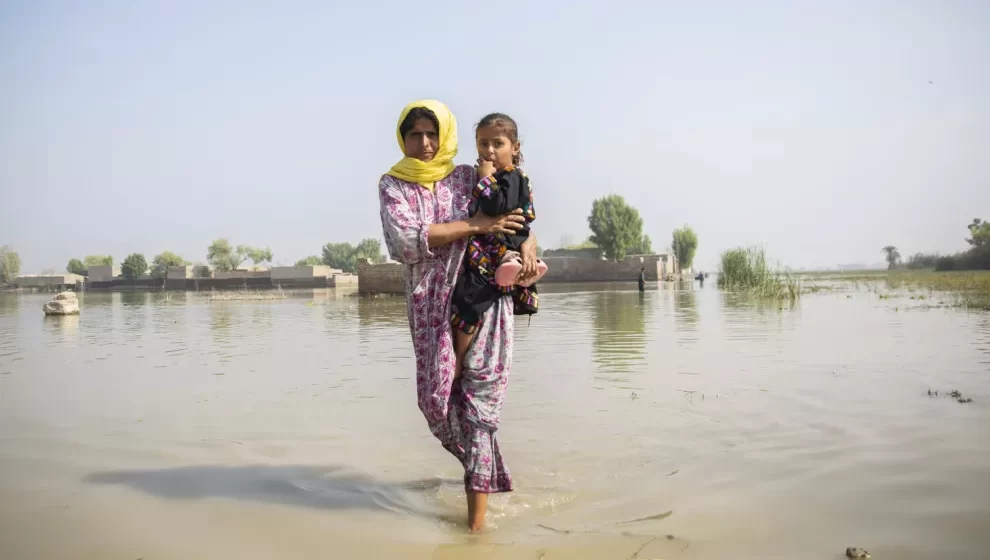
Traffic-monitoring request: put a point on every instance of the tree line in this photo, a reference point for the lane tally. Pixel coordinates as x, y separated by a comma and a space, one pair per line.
977, 257
220, 254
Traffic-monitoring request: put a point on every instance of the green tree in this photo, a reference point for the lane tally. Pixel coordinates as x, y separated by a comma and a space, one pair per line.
979, 233
644, 247
223, 256
10, 265
133, 266
617, 227
256, 254
892, 255
340, 256
370, 248
76, 266
311, 260
685, 243
97, 260
345, 256
163, 261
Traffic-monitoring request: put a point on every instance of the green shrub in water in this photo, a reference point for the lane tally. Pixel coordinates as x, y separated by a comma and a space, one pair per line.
746, 270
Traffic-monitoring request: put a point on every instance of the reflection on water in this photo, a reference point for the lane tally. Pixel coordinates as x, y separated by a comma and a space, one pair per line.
767, 431
619, 325
135, 298
686, 312
220, 315
9, 303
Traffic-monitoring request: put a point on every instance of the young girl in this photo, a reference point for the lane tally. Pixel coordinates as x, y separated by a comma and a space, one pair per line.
492, 263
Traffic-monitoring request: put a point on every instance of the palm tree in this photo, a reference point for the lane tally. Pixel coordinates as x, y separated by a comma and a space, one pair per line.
892, 255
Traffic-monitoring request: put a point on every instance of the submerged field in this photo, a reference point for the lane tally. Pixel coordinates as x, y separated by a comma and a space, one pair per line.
963, 288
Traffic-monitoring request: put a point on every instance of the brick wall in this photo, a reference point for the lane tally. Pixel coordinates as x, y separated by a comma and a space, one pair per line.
380, 278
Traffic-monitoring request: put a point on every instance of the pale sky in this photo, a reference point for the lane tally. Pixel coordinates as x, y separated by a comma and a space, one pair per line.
823, 130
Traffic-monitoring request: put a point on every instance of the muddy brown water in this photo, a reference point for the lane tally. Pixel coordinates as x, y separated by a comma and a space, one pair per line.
680, 423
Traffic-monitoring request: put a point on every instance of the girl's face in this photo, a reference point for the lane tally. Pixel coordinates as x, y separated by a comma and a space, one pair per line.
495, 146
422, 141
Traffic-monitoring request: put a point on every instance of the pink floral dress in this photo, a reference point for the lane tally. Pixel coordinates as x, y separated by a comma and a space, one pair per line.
463, 416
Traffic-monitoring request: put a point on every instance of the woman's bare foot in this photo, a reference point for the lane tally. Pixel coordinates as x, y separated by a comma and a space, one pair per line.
477, 505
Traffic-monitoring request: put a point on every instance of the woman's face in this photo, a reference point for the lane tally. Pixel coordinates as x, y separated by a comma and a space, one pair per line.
495, 146
422, 141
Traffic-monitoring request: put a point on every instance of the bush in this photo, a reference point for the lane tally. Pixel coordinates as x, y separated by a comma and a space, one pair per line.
747, 270
133, 266
76, 266
977, 258
921, 261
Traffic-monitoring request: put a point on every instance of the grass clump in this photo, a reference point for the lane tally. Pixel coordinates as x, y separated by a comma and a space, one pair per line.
746, 269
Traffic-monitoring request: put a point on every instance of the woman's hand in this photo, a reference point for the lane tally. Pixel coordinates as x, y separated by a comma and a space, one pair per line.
507, 224
529, 258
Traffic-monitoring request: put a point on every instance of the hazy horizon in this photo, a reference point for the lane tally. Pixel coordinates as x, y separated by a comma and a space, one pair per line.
823, 132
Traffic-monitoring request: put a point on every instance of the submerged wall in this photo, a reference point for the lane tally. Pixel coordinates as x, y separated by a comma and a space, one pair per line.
374, 279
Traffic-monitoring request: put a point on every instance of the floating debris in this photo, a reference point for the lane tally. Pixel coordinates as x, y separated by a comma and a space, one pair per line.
64, 303
954, 394
656, 517
857, 553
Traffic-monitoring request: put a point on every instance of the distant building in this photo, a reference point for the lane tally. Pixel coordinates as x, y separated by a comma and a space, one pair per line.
49, 281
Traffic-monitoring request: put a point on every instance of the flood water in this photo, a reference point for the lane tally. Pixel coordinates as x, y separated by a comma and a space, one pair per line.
680, 423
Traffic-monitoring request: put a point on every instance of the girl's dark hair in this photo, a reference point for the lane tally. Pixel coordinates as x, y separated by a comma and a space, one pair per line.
414, 115
505, 124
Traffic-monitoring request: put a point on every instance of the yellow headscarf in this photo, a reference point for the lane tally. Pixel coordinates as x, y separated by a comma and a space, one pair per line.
426, 173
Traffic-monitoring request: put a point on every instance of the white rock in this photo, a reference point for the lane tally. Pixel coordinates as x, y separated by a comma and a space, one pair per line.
65, 303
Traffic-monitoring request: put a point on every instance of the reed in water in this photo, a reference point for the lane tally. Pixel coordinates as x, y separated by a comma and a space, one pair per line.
746, 270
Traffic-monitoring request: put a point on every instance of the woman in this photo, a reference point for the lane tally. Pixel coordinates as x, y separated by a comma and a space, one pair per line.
424, 210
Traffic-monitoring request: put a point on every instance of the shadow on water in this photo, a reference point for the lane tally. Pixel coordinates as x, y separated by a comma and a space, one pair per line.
619, 324
316, 487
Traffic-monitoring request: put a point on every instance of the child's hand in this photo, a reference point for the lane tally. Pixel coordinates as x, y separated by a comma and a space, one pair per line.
485, 168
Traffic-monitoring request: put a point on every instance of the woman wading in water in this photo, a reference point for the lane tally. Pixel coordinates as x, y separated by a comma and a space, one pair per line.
424, 210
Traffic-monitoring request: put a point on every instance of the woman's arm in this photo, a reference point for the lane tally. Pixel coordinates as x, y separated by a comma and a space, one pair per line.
405, 236
445, 234
479, 224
